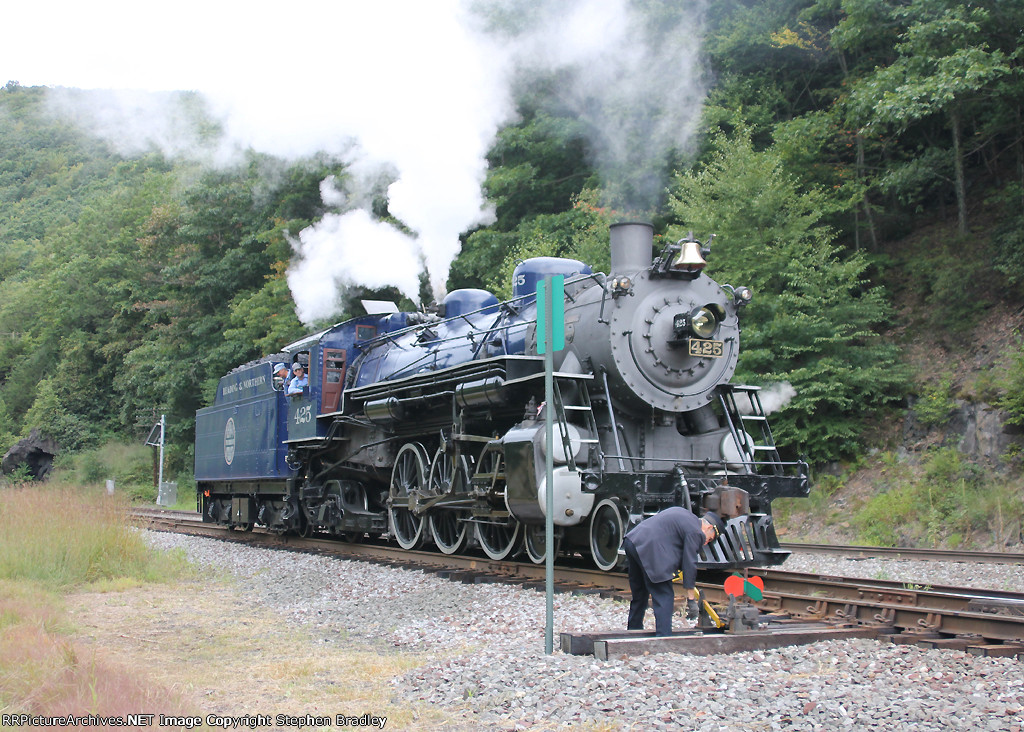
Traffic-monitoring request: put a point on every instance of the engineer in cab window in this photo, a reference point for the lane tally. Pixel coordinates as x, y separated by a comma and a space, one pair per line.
299, 381
280, 376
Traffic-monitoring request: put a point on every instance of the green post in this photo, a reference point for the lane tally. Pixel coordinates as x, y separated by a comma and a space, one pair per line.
550, 338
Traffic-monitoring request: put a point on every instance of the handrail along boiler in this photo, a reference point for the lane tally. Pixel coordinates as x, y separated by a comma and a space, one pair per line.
428, 428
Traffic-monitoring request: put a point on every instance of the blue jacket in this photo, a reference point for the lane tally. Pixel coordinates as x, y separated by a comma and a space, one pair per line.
667, 542
296, 385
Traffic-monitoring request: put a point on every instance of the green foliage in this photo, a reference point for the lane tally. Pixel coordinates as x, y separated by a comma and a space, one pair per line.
128, 286
536, 167
1012, 399
537, 170
899, 107
824, 488
7, 437
134, 284
768, 57
945, 503
21, 475
47, 414
935, 405
1008, 240
947, 69
880, 522
814, 321
130, 466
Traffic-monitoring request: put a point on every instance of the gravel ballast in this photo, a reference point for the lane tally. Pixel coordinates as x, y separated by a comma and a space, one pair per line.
483, 651
1008, 577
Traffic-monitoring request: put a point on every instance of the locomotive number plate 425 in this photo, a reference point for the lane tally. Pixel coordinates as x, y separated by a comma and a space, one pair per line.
707, 349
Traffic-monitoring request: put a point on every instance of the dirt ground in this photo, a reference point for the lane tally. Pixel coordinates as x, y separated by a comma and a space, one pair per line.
219, 655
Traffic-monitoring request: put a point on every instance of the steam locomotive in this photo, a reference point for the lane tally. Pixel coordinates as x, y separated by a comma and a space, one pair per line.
429, 428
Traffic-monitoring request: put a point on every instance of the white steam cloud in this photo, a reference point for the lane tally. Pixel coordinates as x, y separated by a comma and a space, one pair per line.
333, 256
634, 80
431, 123
776, 396
415, 88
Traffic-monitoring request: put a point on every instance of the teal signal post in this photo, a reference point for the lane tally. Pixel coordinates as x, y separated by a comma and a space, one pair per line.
550, 338
557, 323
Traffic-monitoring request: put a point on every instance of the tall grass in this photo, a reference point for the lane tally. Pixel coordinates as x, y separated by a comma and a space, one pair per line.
63, 537
943, 499
54, 540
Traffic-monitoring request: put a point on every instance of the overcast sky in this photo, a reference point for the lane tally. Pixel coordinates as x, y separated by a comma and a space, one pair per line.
204, 44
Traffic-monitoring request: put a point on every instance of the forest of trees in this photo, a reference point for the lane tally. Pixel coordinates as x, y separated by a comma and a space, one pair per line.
833, 131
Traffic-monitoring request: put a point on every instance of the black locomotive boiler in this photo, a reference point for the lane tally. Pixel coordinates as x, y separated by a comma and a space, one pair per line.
429, 429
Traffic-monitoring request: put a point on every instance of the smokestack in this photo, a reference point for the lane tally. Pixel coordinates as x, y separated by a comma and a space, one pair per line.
632, 247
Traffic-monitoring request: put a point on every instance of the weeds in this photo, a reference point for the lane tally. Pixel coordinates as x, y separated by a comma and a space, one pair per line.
818, 500
43, 671
947, 502
824, 490
935, 405
1012, 399
63, 537
131, 467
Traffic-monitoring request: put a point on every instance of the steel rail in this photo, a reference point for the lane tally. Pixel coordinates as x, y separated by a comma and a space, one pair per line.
929, 555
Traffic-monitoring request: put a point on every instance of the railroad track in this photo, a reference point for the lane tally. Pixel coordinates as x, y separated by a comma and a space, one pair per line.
929, 555
984, 622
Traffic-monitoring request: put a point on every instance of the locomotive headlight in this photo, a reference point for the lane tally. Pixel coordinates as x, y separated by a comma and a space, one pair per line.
703, 322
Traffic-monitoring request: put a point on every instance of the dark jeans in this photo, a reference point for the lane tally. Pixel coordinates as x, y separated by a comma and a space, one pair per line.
661, 593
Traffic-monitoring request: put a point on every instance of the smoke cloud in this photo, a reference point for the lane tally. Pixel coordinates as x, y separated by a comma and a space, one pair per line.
429, 126
634, 78
333, 256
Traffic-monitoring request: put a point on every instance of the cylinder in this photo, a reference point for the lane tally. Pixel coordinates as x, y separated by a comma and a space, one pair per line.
483, 393
632, 247
384, 411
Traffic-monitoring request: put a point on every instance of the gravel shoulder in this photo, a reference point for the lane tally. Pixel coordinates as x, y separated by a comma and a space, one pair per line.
284, 633
208, 645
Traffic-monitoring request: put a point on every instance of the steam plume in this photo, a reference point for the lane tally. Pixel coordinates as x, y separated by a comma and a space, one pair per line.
633, 78
776, 396
420, 87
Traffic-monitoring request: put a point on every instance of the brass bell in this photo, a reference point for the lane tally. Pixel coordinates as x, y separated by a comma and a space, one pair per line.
690, 258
